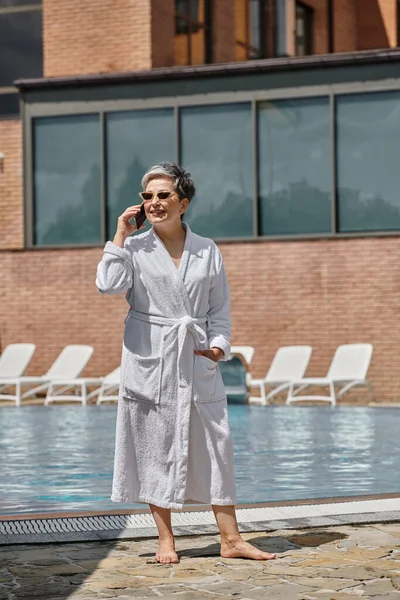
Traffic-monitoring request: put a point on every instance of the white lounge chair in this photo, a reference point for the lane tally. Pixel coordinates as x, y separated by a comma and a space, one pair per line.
77, 388
68, 365
109, 386
246, 351
349, 367
289, 363
13, 362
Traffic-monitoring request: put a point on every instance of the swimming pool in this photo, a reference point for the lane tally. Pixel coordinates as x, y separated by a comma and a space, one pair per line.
61, 457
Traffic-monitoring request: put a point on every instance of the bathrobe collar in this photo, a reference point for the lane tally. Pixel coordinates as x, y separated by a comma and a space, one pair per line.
179, 272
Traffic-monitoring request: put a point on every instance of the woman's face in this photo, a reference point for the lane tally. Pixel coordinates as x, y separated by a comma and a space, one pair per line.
163, 211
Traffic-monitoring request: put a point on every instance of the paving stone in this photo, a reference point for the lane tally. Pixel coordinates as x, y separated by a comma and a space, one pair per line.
368, 553
396, 582
130, 593
159, 571
237, 575
63, 569
265, 580
5, 576
284, 591
277, 569
343, 596
391, 596
325, 583
391, 528
227, 587
324, 562
321, 594
356, 572
46, 562
378, 587
193, 595
171, 588
42, 591
7, 555
371, 537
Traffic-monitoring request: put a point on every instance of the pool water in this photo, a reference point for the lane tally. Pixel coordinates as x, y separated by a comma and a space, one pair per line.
61, 457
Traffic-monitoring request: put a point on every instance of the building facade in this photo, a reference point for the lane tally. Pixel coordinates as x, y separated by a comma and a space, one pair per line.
287, 115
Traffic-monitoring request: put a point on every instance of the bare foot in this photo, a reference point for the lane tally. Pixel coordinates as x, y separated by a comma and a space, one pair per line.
238, 548
166, 552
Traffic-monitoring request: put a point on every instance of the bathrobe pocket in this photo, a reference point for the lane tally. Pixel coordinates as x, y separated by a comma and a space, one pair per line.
207, 385
142, 378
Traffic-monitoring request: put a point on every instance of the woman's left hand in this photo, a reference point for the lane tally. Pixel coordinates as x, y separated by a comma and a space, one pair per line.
214, 354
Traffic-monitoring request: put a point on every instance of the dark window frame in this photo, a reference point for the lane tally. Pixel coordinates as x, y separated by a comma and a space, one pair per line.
308, 21
193, 26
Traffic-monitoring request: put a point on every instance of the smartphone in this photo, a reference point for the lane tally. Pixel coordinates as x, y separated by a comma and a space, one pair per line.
140, 217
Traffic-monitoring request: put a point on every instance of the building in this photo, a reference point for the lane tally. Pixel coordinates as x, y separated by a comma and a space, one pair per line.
286, 113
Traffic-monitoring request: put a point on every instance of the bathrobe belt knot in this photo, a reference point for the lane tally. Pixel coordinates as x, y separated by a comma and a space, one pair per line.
181, 326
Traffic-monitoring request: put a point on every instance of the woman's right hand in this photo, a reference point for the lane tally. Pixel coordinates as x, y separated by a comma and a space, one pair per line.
125, 228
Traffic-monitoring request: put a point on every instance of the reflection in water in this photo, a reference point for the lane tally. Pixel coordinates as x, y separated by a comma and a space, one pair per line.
62, 457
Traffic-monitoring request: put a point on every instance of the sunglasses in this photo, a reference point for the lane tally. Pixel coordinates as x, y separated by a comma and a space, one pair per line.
148, 196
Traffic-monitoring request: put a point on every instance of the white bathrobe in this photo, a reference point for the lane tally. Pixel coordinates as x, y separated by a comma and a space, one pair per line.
173, 443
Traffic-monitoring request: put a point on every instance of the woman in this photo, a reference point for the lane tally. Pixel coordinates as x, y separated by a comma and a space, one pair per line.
173, 442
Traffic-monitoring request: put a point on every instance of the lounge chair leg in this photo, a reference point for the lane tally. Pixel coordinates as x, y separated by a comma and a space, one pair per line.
287, 395
18, 393
49, 393
263, 395
333, 396
290, 394
84, 394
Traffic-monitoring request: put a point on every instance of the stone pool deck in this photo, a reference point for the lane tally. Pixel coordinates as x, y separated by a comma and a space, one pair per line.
331, 563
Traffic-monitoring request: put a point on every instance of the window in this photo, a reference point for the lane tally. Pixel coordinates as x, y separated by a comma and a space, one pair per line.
9, 103
304, 29
67, 198
368, 146
314, 166
216, 148
136, 140
295, 166
249, 29
193, 35
21, 53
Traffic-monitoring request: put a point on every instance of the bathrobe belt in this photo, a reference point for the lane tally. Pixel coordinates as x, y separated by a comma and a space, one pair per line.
183, 326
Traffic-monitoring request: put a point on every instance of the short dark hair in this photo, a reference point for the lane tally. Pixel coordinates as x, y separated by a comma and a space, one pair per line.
183, 184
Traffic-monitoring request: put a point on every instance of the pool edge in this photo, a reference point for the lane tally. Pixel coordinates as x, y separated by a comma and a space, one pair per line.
140, 525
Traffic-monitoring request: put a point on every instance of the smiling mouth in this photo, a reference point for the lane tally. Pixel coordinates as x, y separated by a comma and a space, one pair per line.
158, 213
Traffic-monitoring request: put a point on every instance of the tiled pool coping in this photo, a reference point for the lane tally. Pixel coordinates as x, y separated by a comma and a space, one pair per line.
137, 524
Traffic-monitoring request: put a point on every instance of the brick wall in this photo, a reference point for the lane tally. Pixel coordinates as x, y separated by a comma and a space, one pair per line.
108, 36
11, 198
322, 293
223, 22
345, 25
377, 24
96, 37
162, 33
345, 19
320, 25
